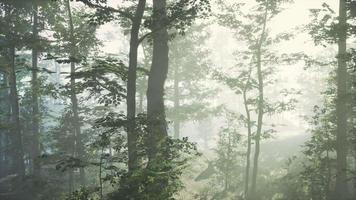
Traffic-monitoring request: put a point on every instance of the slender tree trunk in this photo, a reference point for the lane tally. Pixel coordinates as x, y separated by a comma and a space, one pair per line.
329, 168
142, 83
78, 145
259, 129
176, 103
70, 181
249, 136
341, 190
132, 137
260, 108
354, 178
2, 154
157, 125
140, 102
35, 103
328, 178
100, 173
17, 145
228, 164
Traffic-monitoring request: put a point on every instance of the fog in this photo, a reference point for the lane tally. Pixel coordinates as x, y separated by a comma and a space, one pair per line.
184, 99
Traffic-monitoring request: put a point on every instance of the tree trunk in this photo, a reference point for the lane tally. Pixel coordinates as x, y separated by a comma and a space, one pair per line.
5, 154
157, 77
132, 136
70, 181
341, 190
140, 102
249, 137
260, 108
16, 137
176, 103
156, 117
142, 83
78, 145
35, 103
228, 163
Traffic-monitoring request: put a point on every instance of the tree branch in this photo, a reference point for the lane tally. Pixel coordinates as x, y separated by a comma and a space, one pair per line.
144, 37
111, 9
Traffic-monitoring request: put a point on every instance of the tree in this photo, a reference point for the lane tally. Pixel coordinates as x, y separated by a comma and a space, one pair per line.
341, 190
74, 49
331, 29
14, 37
79, 146
252, 29
37, 44
156, 116
35, 100
228, 152
186, 86
318, 169
132, 136
19, 166
155, 88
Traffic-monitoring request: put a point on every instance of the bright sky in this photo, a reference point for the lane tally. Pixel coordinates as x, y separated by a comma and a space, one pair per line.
295, 14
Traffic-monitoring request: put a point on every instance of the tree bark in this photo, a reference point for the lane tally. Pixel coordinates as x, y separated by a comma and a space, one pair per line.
156, 80
132, 136
156, 116
35, 102
341, 190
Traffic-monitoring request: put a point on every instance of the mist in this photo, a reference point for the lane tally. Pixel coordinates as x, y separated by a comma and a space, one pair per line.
183, 99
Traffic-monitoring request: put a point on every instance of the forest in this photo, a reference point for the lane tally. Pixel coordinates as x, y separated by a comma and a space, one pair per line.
178, 100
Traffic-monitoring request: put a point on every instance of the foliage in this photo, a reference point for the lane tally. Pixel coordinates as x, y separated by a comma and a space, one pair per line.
176, 154
81, 194
228, 154
187, 93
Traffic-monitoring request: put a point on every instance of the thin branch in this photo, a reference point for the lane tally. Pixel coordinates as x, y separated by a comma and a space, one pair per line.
97, 6
145, 36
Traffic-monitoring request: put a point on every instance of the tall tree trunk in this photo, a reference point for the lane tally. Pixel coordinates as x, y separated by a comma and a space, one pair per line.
157, 125
16, 136
341, 190
249, 136
176, 103
260, 107
132, 137
35, 103
78, 145
157, 77
5, 114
